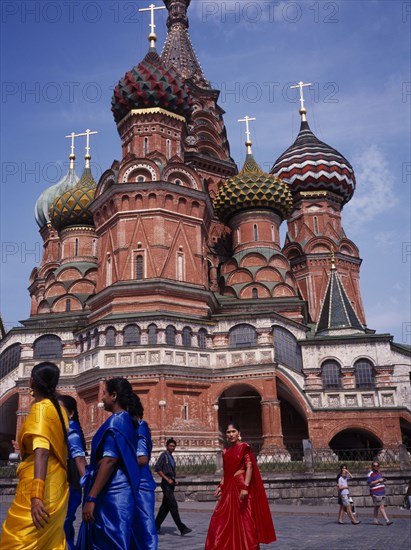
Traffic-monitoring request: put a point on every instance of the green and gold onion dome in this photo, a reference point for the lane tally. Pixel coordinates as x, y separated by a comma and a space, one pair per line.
46, 199
253, 188
72, 208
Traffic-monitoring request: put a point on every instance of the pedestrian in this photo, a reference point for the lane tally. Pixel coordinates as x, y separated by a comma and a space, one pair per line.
166, 469
344, 494
112, 478
376, 483
36, 516
76, 464
242, 518
145, 527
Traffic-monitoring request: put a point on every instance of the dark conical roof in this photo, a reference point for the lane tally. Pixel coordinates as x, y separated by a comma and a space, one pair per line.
312, 165
337, 311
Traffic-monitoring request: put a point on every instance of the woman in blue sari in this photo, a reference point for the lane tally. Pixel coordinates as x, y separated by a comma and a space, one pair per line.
76, 464
146, 531
111, 487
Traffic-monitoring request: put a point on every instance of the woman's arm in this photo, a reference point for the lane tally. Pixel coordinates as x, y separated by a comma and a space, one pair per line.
39, 512
106, 469
142, 460
247, 480
81, 465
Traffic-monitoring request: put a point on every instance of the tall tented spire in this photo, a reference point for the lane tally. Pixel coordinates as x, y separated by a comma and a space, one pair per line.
178, 50
337, 312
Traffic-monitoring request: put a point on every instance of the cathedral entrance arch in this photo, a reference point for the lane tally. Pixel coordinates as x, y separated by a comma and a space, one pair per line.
8, 423
360, 443
406, 433
241, 404
294, 424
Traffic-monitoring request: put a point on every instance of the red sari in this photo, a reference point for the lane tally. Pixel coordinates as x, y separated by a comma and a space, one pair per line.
240, 524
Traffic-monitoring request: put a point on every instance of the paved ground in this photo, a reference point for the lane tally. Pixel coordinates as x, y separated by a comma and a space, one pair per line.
298, 528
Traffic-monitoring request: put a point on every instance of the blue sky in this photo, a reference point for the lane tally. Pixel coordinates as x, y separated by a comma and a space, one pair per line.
61, 60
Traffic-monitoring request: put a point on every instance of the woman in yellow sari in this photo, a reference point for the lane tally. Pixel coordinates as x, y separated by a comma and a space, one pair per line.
36, 517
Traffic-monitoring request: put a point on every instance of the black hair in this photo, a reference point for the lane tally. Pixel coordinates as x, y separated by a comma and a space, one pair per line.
138, 406
45, 378
171, 440
70, 404
125, 395
234, 425
343, 466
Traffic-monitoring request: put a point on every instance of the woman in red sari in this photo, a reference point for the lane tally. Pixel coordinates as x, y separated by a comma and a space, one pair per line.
242, 518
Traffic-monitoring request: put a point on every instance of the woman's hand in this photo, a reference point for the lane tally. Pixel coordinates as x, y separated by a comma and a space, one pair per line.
243, 494
88, 512
218, 492
39, 513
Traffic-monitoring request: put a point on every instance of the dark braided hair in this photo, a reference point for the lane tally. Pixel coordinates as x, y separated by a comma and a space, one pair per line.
70, 404
125, 396
138, 406
45, 378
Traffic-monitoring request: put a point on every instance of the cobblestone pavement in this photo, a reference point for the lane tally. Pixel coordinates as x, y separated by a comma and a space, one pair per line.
297, 527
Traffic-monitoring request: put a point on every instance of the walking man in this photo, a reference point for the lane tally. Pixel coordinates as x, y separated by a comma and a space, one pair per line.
166, 469
377, 491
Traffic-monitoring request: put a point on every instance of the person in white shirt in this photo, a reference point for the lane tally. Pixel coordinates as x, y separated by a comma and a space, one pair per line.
344, 496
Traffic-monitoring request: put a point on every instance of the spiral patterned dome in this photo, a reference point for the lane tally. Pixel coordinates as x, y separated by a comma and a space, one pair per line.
72, 207
253, 188
150, 84
46, 199
312, 165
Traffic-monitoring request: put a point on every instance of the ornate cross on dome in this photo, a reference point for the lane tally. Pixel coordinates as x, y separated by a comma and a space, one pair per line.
152, 36
72, 156
303, 110
248, 143
87, 156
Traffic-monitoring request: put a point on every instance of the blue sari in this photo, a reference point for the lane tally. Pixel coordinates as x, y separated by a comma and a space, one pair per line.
75, 449
115, 511
146, 531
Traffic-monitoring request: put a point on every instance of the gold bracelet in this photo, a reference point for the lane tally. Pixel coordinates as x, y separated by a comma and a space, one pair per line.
37, 489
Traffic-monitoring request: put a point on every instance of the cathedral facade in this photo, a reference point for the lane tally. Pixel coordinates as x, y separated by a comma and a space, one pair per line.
169, 271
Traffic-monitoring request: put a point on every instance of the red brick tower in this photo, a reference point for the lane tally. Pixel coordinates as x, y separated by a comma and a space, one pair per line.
321, 181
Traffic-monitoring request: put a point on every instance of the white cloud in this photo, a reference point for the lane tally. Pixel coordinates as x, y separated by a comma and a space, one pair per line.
375, 192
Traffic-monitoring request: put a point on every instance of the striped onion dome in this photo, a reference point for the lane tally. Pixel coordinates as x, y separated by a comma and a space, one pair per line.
46, 199
72, 208
150, 85
252, 188
312, 165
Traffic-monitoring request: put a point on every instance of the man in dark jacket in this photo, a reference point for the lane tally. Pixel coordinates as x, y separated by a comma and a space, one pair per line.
166, 469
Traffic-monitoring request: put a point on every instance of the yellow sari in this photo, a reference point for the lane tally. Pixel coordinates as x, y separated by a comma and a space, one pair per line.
41, 429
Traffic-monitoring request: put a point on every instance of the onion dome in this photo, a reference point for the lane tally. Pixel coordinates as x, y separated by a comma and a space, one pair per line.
150, 85
72, 208
253, 188
46, 199
312, 165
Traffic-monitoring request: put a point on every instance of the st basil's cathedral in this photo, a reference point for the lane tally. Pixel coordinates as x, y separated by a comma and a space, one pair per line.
169, 271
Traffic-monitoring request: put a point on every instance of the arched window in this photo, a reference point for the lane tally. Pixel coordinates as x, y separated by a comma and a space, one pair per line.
152, 334
81, 343
68, 304
47, 346
243, 336
170, 335
316, 225
139, 267
202, 338
364, 374
255, 232
96, 336
111, 336
76, 247
145, 146
186, 337
132, 335
9, 359
255, 293
88, 341
331, 374
286, 349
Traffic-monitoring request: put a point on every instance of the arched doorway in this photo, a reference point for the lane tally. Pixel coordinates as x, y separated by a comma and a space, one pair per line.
241, 404
8, 423
357, 443
406, 433
293, 421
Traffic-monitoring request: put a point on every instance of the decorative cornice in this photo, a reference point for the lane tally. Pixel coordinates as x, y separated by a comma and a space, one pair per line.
150, 111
